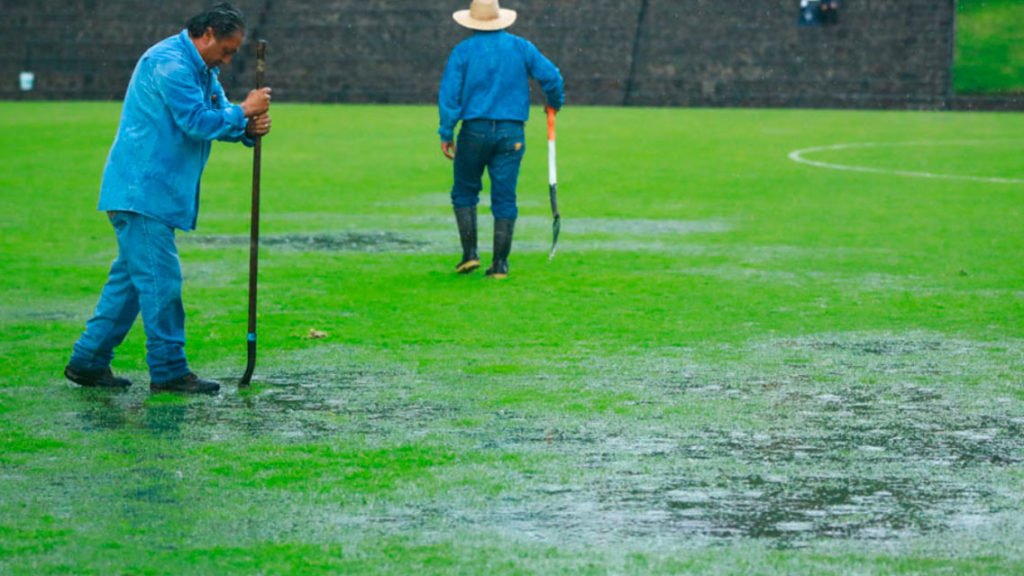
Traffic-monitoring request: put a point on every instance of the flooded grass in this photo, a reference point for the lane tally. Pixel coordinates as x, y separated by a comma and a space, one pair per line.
840, 437
338, 242
434, 235
725, 370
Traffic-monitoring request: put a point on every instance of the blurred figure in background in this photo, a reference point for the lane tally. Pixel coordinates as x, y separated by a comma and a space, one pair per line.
830, 12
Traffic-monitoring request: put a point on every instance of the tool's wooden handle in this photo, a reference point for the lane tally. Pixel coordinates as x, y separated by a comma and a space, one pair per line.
261, 62
254, 230
551, 122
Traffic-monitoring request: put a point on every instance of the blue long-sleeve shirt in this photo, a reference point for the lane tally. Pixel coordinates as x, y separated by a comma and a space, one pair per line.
488, 77
174, 107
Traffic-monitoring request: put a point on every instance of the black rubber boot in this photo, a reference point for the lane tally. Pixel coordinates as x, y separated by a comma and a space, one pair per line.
465, 217
503, 229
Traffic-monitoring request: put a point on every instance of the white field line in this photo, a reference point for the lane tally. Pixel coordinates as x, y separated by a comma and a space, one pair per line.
798, 156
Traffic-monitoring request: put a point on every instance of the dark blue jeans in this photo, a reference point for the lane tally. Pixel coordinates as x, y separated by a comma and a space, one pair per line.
498, 146
145, 277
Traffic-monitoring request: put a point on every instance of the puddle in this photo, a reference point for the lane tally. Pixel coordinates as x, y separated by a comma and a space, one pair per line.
437, 234
831, 438
854, 439
791, 509
294, 406
384, 241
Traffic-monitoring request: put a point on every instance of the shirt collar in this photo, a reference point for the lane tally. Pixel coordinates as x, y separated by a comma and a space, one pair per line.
193, 52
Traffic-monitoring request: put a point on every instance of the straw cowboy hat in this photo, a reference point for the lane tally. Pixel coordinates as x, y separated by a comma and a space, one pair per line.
485, 15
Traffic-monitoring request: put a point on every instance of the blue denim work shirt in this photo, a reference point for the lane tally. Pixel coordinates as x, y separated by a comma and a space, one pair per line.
174, 107
488, 78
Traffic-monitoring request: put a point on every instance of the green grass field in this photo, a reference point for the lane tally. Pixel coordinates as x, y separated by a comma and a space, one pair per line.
736, 364
989, 47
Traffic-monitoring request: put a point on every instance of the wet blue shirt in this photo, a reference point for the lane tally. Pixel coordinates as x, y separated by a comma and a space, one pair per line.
174, 107
488, 77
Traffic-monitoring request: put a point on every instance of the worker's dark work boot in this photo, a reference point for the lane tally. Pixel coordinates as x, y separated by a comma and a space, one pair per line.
465, 217
102, 378
187, 383
503, 229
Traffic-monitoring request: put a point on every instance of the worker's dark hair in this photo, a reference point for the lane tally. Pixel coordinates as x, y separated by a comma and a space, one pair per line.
224, 18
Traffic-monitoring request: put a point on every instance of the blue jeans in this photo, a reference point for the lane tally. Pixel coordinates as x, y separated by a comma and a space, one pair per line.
497, 146
145, 277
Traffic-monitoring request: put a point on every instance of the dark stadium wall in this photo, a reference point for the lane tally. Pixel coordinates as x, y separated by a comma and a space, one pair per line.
882, 54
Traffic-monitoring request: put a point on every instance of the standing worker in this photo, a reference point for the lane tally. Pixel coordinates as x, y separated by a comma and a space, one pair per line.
174, 107
486, 85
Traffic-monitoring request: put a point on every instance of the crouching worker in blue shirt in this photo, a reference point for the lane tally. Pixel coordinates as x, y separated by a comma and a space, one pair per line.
174, 107
486, 86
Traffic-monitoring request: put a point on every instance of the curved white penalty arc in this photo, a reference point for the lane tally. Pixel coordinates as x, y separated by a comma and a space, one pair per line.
798, 156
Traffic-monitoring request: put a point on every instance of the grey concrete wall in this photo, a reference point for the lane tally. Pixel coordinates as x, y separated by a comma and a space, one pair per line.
883, 53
